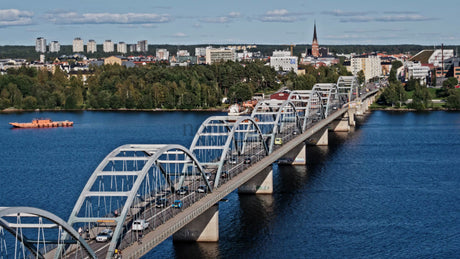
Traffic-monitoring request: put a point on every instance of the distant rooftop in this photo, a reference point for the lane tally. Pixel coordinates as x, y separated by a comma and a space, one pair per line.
422, 56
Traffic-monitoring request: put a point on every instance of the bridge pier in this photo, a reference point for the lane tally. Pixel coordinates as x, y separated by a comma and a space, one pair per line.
205, 228
341, 125
351, 116
262, 183
320, 138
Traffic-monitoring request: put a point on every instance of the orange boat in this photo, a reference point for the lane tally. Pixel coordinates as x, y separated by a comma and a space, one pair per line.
42, 123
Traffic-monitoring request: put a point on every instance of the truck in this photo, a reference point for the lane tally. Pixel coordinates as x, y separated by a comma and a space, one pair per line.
140, 225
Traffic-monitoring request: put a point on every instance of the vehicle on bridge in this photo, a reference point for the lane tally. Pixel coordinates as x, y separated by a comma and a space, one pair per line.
139, 225
161, 203
105, 235
247, 160
182, 190
177, 204
278, 141
202, 189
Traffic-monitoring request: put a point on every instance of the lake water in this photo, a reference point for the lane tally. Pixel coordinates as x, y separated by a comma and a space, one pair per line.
390, 188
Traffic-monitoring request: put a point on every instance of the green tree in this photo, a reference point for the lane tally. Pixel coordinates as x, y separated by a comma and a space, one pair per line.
361, 77
421, 98
29, 102
453, 100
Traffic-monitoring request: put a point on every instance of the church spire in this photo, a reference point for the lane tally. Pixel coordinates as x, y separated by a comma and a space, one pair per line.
314, 33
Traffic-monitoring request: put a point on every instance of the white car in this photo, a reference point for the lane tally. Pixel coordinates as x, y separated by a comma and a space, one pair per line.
104, 236
139, 225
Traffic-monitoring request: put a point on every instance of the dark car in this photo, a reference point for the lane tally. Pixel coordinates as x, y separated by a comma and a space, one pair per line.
161, 203
182, 190
224, 174
247, 160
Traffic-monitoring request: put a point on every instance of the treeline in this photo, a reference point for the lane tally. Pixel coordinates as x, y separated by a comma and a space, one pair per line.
151, 86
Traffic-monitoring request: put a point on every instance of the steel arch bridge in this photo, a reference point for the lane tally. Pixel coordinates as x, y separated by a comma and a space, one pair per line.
47, 227
307, 103
130, 183
276, 118
348, 88
225, 140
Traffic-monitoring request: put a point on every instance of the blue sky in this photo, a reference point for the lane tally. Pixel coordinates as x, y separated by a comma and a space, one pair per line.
231, 22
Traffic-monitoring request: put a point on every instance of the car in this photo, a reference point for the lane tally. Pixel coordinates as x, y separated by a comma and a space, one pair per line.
105, 235
202, 189
233, 161
139, 225
182, 190
295, 132
177, 204
224, 174
247, 160
161, 203
278, 141
208, 176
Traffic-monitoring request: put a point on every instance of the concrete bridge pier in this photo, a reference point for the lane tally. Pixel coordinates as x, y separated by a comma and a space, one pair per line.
340, 125
320, 138
205, 228
351, 116
262, 183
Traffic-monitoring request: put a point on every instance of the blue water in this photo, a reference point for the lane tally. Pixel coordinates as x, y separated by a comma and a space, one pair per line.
390, 188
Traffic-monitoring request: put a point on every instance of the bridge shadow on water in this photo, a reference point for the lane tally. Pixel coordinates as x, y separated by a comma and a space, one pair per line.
247, 221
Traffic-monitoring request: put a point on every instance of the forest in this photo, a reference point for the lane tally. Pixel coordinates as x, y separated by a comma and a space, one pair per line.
154, 86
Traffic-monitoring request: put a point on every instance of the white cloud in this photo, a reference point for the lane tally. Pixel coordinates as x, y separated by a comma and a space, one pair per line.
107, 18
344, 13
281, 15
221, 19
180, 35
15, 17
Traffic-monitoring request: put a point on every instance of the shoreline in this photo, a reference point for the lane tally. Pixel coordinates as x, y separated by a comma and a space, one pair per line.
14, 110
412, 110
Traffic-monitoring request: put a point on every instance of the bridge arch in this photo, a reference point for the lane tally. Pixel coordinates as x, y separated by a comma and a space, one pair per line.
222, 139
307, 103
33, 246
275, 117
348, 88
129, 183
328, 98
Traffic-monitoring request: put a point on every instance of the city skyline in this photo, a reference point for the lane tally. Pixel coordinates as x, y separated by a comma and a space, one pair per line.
211, 22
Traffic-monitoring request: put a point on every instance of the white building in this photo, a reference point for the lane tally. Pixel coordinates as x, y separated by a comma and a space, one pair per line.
91, 46
369, 64
162, 54
282, 60
200, 52
77, 45
121, 47
108, 46
142, 46
219, 55
183, 53
54, 46
40, 45
415, 70
132, 47
438, 55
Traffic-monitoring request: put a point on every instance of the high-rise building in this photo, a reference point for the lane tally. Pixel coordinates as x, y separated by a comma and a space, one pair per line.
91, 46
121, 47
77, 45
200, 52
132, 47
219, 55
108, 46
282, 60
183, 53
142, 46
314, 44
40, 45
55, 46
369, 64
162, 54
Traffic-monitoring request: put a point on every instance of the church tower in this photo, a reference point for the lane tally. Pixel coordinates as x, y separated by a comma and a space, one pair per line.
314, 44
